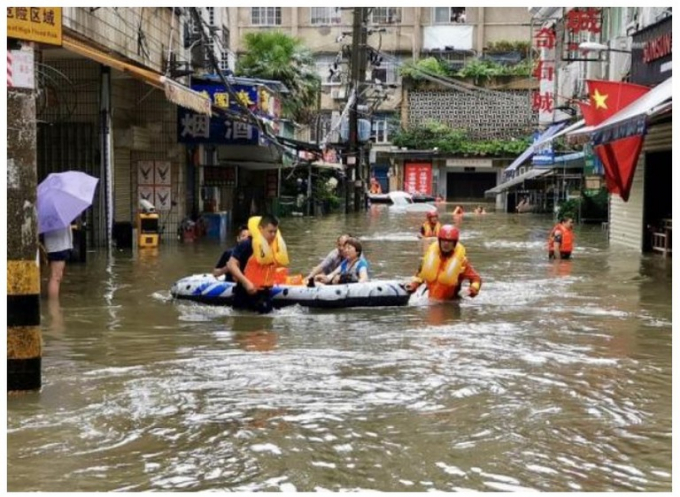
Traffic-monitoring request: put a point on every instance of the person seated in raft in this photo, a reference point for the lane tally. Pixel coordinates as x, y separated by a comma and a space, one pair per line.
458, 211
255, 262
431, 226
331, 262
353, 269
221, 266
444, 268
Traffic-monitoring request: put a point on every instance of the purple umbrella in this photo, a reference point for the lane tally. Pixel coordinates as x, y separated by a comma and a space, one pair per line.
62, 197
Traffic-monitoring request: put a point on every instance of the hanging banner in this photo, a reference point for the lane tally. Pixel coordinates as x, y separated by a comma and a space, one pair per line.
418, 178
543, 100
619, 158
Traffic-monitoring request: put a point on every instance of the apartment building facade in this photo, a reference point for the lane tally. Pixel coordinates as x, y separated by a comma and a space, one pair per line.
396, 34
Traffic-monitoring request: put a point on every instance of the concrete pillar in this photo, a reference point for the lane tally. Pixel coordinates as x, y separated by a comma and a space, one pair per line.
24, 341
417, 36
294, 22
481, 27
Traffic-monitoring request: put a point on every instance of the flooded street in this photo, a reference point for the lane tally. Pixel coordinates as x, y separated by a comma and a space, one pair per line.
557, 377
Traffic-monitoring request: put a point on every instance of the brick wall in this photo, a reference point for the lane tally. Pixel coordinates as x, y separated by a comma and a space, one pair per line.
484, 115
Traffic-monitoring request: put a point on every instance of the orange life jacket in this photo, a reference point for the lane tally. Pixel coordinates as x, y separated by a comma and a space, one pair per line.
260, 275
429, 231
441, 273
567, 244
376, 188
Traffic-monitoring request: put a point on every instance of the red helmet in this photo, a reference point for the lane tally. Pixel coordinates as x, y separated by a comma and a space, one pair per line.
449, 233
432, 214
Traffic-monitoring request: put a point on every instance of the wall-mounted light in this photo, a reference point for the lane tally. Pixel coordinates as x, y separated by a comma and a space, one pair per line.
591, 46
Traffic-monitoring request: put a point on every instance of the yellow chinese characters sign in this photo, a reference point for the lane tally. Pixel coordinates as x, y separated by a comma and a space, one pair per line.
41, 24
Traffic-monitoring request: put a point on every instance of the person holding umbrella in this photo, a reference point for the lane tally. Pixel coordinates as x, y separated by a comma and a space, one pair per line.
61, 198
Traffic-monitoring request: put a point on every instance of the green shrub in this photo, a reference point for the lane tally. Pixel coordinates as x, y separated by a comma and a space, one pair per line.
431, 135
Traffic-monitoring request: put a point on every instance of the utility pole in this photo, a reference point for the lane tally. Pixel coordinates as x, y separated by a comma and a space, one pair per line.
358, 75
24, 340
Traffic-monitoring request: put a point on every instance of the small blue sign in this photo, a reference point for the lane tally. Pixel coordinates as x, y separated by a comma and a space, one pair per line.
544, 155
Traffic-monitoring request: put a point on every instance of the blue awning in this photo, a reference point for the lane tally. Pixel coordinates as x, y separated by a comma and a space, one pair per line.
529, 175
530, 151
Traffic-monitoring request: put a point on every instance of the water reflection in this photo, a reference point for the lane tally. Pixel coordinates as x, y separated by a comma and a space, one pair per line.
555, 378
250, 334
560, 268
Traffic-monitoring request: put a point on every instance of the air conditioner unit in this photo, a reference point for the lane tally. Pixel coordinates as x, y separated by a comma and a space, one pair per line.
338, 94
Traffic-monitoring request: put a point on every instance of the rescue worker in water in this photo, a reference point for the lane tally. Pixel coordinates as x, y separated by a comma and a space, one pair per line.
431, 226
445, 267
561, 239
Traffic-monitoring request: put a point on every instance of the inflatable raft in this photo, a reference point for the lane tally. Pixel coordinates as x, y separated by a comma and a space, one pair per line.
207, 289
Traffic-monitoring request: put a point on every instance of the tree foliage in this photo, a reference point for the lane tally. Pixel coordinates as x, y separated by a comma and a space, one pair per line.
455, 141
278, 56
479, 70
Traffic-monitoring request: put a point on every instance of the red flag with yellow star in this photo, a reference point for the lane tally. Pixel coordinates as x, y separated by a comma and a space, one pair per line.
619, 158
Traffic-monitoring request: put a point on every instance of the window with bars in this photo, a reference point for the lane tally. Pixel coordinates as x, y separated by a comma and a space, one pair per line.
325, 15
379, 130
265, 16
327, 70
448, 15
381, 127
387, 72
211, 15
324, 128
386, 15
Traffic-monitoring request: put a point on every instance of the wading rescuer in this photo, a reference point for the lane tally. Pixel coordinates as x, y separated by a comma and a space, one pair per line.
445, 267
257, 264
431, 226
561, 239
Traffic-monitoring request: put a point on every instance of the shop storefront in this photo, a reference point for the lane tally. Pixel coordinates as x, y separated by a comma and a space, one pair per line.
233, 171
642, 207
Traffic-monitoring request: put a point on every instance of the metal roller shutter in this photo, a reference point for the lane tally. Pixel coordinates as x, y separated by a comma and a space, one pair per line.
659, 137
626, 219
122, 184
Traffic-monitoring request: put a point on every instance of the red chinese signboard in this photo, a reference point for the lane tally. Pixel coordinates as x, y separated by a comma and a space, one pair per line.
543, 100
418, 178
581, 24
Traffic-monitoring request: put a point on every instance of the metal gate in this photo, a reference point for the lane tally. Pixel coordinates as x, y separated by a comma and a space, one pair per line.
67, 146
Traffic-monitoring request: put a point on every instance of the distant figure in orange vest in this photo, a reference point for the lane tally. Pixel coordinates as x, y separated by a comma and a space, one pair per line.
458, 211
561, 239
375, 187
431, 226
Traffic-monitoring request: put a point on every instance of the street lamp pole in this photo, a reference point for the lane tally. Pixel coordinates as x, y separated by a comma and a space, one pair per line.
591, 46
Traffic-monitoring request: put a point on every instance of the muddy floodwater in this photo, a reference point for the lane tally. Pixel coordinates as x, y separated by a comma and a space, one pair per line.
557, 377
